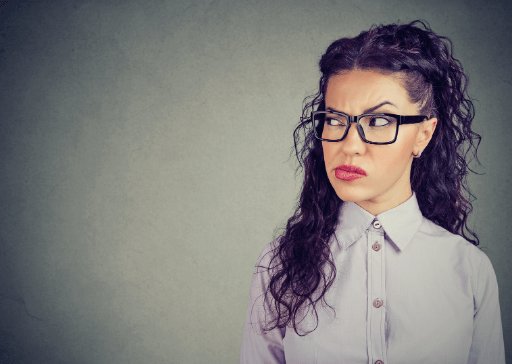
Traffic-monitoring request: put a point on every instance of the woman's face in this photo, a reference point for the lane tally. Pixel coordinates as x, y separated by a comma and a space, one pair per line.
388, 167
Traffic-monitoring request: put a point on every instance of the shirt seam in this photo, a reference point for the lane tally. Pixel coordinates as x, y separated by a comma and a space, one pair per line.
475, 294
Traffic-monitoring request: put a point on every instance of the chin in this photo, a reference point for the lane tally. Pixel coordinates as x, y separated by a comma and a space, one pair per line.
351, 194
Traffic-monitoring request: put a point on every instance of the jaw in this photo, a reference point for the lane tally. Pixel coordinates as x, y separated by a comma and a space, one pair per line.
396, 194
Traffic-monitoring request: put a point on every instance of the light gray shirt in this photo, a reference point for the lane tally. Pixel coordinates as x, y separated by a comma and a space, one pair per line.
406, 291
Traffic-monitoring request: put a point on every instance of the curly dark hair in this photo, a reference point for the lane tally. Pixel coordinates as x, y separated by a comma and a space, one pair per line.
301, 268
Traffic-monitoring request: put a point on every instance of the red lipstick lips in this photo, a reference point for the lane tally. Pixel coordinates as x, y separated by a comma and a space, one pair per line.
349, 173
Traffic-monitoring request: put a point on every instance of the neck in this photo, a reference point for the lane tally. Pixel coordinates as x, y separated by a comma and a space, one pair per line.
384, 203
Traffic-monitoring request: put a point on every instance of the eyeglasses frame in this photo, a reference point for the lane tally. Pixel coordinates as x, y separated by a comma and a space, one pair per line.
401, 120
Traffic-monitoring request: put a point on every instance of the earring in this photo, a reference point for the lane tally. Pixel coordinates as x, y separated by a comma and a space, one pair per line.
417, 155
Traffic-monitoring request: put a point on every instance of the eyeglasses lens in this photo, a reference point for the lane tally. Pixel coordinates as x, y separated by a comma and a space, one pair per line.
376, 128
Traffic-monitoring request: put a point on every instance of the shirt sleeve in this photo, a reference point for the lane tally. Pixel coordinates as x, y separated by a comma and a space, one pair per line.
487, 345
258, 347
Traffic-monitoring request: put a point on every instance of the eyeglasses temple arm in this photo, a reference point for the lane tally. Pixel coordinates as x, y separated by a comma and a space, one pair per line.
414, 119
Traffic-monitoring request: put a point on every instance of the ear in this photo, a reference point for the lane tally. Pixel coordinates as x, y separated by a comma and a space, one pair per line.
425, 132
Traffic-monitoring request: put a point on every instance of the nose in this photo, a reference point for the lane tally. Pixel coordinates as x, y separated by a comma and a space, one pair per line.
353, 144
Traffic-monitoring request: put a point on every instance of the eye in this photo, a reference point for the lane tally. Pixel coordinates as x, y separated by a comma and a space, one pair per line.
377, 121
335, 121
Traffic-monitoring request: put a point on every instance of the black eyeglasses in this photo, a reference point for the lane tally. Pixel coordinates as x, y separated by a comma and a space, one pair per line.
333, 126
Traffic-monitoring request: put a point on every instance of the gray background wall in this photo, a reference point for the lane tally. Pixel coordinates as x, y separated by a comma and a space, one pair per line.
144, 149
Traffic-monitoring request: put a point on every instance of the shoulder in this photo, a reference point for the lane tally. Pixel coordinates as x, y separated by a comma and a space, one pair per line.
452, 246
433, 234
267, 261
456, 260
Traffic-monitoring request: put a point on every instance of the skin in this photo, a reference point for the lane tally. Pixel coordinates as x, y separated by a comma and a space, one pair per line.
388, 167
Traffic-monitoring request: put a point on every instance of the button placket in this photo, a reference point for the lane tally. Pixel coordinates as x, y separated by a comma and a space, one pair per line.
376, 295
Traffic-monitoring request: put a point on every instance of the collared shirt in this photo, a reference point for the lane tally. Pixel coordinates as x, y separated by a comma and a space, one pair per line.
406, 291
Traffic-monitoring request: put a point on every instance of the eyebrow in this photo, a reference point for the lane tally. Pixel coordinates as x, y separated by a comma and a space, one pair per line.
371, 109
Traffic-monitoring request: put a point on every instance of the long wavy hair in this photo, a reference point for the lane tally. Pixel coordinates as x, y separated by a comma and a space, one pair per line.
301, 268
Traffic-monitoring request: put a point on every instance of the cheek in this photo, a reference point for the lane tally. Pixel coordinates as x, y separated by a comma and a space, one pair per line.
330, 152
391, 161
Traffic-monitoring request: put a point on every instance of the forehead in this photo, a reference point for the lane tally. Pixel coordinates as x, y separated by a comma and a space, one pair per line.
355, 91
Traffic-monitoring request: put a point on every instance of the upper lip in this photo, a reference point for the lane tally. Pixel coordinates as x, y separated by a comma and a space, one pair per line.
352, 169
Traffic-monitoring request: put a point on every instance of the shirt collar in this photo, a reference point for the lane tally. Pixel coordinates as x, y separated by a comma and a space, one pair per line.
400, 223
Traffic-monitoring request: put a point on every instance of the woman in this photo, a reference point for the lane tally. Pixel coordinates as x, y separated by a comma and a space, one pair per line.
377, 265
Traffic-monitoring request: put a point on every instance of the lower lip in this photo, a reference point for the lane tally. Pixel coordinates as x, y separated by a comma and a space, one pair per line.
347, 176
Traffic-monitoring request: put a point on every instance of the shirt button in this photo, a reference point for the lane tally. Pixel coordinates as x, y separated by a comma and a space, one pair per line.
376, 224
379, 362
376, 246
377, 303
